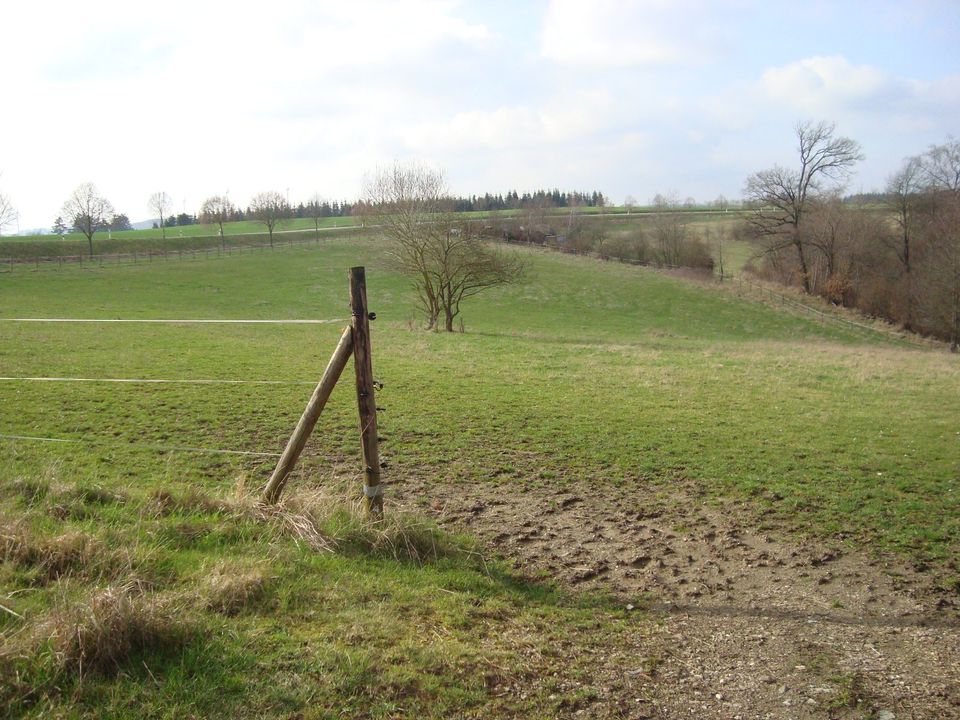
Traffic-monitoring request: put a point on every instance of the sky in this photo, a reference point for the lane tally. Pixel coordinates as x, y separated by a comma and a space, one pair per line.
629, 97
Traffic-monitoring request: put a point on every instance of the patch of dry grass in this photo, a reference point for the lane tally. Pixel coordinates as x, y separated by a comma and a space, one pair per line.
52, 558
231, 588
100, 633
162, 503
334, 520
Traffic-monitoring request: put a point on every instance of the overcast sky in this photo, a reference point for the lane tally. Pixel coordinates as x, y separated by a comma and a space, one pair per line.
631, 97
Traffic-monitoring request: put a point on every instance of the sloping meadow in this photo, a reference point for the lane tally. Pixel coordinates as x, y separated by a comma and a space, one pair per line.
140, 575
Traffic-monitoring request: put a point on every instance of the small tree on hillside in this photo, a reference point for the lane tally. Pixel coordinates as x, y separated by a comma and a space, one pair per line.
217, 209
8, 213
442, 253
119, 223
59, 227
160, 203
315, 212
88, 211
269, 208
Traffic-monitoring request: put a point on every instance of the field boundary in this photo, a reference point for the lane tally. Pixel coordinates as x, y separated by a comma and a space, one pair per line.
157, 381
766, 293
136, 446
56, 262
184, 321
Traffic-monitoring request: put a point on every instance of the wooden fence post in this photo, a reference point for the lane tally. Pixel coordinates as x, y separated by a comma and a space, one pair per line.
366, 400
308, 420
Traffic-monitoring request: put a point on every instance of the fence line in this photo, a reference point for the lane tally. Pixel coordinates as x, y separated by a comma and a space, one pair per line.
184, 321
51, 262
140, 446
157, 381
820, 314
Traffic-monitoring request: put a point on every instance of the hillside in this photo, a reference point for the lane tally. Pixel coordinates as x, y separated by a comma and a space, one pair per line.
593, 428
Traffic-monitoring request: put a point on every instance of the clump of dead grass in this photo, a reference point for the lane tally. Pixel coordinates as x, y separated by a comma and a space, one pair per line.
52, 558
99, 634
29, 490
162, 503
81, 501
229, 589
333, 519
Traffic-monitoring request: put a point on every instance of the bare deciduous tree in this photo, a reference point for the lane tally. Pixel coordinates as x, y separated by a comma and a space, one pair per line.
940, 268
782, 194
217, 209
160, 203
315, 211
271, 209
442, 253
8, 213
941, 166
88, 211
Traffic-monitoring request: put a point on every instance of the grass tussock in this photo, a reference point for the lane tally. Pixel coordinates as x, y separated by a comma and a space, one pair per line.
52, 558
103, 632
230, 589
81, 501
109, 630
334, 520
162, 503
29, 490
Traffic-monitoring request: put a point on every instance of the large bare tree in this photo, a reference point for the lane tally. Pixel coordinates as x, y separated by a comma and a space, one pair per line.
160, 203
88, 211
8, 213
442, 253
941, 166
217, 209
270, 208
781, 195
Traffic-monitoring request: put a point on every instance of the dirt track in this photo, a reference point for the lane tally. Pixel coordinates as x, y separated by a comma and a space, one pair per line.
745, 624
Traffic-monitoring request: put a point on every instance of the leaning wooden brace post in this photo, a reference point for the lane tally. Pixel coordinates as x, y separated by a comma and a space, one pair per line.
271, 494
366, 400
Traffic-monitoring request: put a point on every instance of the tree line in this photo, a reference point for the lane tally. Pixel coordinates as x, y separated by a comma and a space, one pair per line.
898, 259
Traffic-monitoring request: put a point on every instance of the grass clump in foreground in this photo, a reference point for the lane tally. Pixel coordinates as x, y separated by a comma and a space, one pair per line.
304, 608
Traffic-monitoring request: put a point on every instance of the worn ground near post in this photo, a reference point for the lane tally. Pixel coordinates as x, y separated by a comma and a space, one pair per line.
746, 623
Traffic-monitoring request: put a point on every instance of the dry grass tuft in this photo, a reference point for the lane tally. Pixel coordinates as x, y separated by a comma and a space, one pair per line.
99, 635
229, 589
162, 503
55, 557
80, 501
96, 495
29, 490
333, 520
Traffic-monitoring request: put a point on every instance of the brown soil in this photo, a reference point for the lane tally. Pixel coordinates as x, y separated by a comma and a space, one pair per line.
744, 624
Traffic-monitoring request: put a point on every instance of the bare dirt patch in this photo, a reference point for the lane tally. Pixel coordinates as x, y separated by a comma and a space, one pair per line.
746, 623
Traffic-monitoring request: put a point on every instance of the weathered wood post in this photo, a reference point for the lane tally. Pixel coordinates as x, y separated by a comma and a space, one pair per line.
308, 420
366, 400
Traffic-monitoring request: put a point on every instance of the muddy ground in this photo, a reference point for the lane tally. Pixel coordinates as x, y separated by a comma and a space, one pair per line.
744, 623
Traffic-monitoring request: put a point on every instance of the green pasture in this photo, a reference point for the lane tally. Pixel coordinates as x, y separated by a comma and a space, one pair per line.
588, 372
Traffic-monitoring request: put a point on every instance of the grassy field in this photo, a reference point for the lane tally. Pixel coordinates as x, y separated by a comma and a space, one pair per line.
587, 372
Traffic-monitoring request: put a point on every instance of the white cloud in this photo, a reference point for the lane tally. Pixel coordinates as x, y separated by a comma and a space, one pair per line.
832, 86
829, 84
609, 34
